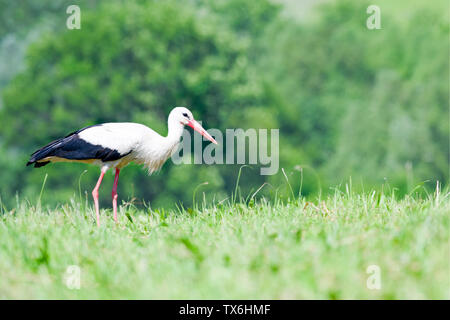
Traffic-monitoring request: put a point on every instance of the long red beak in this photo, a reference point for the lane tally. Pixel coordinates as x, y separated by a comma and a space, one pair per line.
198, 127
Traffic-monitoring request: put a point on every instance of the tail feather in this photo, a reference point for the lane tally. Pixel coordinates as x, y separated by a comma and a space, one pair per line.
44, 152
38, 164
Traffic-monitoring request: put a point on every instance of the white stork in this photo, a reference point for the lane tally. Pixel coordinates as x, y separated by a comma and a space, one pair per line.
114, 145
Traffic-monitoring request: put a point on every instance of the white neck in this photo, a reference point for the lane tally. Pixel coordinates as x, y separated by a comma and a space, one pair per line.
152, 157
175, 130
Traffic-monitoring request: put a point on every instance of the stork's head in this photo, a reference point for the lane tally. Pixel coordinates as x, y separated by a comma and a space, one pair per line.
184, 116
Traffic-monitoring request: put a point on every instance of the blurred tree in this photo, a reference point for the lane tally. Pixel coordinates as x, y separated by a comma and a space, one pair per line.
372, 105
348, 101
129, 62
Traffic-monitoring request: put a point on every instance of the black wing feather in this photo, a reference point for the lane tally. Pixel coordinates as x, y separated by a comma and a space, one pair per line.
72, 147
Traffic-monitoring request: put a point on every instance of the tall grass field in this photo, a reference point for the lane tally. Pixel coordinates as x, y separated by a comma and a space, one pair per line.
329, 248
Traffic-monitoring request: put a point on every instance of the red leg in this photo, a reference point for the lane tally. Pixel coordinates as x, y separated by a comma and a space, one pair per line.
95, 195
114, 194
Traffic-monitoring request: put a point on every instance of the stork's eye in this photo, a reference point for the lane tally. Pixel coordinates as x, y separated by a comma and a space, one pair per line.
186, 115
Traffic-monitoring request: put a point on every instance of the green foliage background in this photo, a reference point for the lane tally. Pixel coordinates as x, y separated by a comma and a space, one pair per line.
370, 105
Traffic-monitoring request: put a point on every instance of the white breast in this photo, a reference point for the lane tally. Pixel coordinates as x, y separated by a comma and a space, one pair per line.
122, 136
140, 143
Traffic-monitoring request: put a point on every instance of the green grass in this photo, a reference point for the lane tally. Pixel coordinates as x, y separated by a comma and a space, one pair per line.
296, 250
